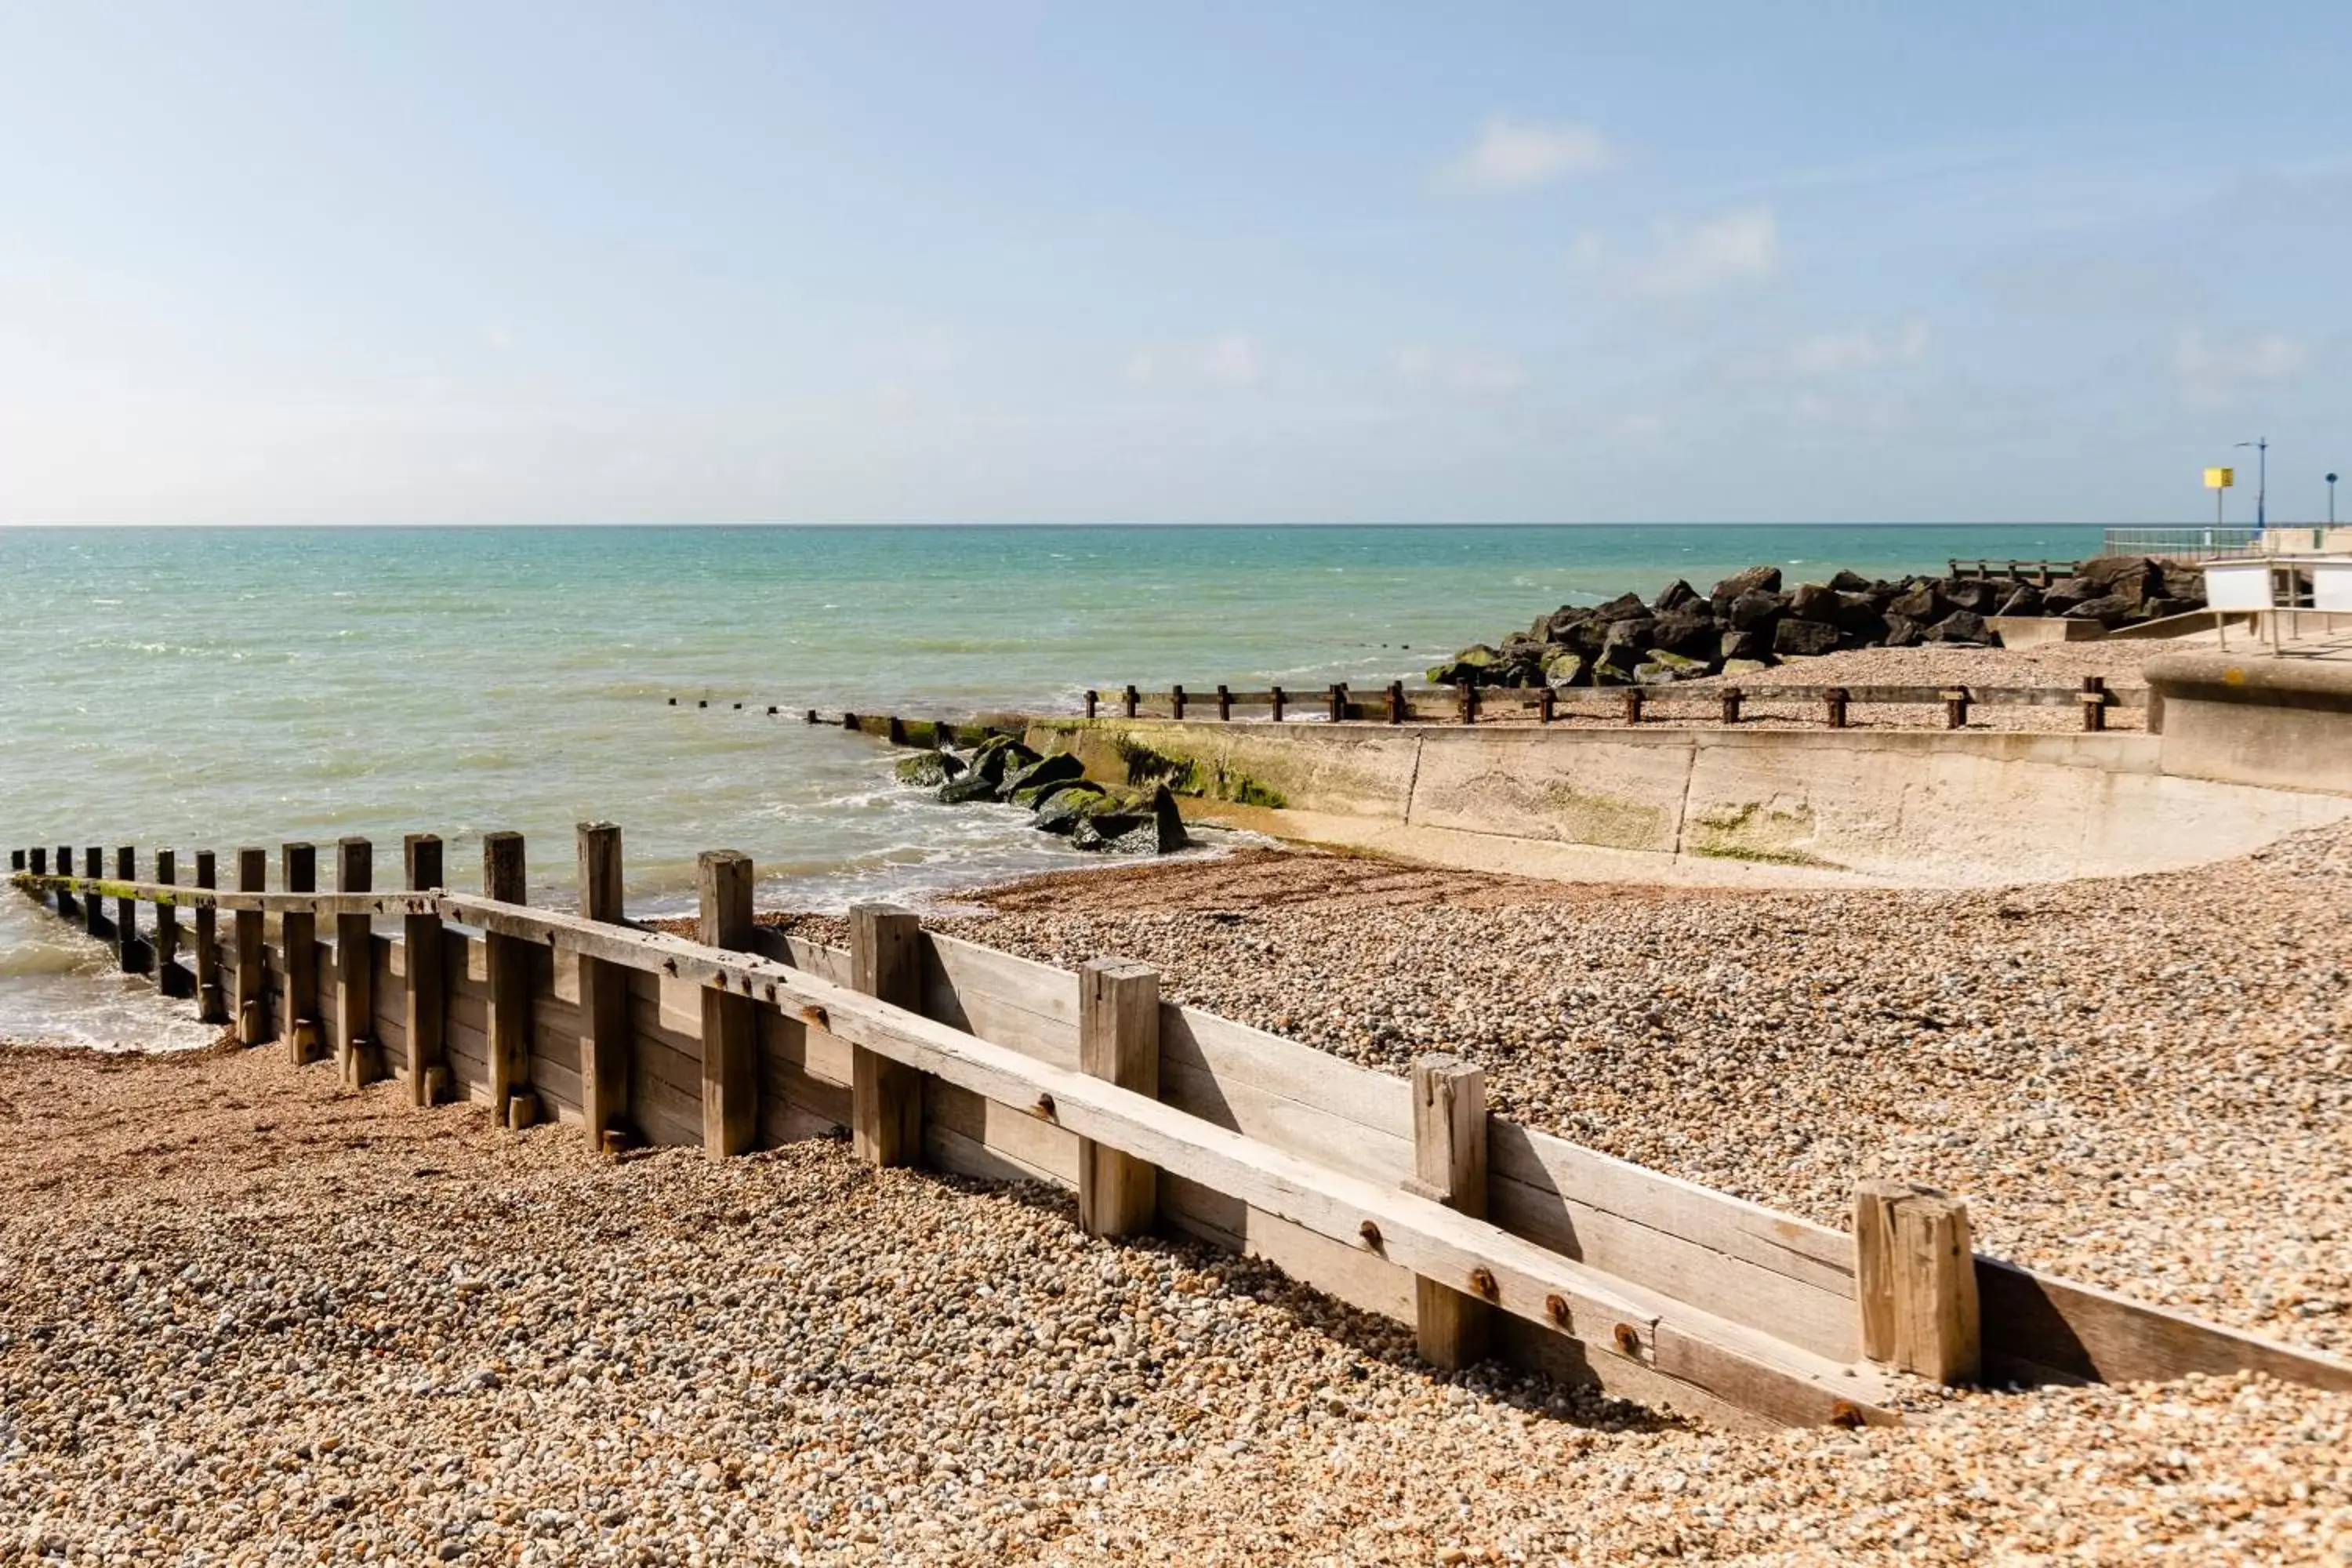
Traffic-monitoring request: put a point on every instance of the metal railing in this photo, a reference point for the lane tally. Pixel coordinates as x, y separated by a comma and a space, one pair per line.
2183, 544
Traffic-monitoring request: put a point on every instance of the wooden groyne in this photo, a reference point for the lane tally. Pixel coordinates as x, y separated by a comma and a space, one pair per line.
1402, 1197
1397, 704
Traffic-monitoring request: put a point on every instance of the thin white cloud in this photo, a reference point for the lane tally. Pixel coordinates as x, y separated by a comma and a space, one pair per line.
1858, 348
1742, 247
1232, 359
1421, 365
2218, 373
1519, 155
1144, 367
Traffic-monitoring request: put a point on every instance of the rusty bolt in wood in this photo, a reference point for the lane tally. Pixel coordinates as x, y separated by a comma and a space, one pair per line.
1845, 1413
813, 1014
1556, 1308
1370, 1233
1628, 1338
1045, 1106
1482, 1280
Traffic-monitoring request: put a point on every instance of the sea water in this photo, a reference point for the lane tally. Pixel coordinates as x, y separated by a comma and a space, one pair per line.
209, 688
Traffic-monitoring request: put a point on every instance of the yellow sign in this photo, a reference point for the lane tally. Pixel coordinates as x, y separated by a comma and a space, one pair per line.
2220, 479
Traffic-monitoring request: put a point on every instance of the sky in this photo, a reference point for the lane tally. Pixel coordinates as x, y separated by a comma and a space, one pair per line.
524, 262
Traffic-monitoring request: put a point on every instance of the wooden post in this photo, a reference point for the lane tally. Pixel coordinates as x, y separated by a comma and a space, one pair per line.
297, 953
134, 955
886, 1097
1093, 700
1119, 1041
1955, 707
1224, 704
897, 729
1396, 702
508, 961
1449, 1159
211, 1007
170, 978
1338, 700
1916, 1280
1176, 701
810, 718
93, 908
358, 1062
1466, 694
730, 1080
2095, 703
1547, 704
423, 1010
40, 860
1278, 704
1835, 700
1128, 700
605, 1054
15, 859
1731, 700
66, 906
252, 876
1633, 705
849, 720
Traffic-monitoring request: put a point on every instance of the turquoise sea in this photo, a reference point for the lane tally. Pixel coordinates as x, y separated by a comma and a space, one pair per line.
207, 688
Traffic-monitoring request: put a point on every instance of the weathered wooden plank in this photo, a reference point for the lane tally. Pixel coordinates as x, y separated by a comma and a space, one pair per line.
605, 1036
886, 1095
299, 1029
1041, 1151
425, 974
2039, 1328
509, 965
1032, 1007
1119, 1042
1449, 1146
211, 1004
1362, 1279
731, 1082
252, 1021
358, 1060
1915, 1281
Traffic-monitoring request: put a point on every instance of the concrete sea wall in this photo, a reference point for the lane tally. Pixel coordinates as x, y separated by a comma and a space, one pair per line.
1726, 806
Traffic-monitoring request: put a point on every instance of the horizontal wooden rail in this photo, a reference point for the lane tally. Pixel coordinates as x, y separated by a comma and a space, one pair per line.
177, 897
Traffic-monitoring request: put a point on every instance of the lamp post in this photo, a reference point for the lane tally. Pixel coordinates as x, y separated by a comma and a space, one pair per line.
2261, 446
2331, 501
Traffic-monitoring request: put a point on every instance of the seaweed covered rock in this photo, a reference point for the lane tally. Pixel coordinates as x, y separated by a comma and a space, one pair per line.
927, 769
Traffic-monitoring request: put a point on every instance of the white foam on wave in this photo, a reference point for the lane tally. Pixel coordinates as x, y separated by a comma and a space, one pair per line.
59, 986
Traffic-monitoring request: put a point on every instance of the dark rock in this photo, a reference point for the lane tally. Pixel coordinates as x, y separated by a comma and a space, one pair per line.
2068, 592
1902, 631
927, 769
2182, 581
1754, 612
2107, 610
1755, 580
2159, 608
1000, 754
1687, 629
1974, 594
1560, 623
1623, 607
1565, 667
1061, 811
1471, 664
1960, 626
1814, 602
1054, 769
1850, 582
1627, 641
1860, 615
1920, 602
1742, 645
1130, 822
1793, 639
2026, 601
1663, 668
1034, 796
1674, 596
973, 785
